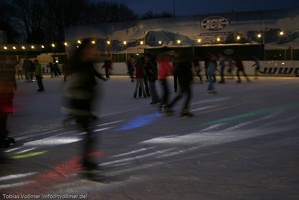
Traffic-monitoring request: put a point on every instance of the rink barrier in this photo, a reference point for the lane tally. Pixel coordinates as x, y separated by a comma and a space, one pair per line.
269, 68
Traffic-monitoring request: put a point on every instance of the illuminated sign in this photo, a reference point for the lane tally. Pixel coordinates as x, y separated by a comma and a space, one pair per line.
214, 23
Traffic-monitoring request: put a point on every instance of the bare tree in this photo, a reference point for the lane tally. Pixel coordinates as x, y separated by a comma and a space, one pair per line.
30, 19
164, 14
44, 21
120, 13
150, 15
104, 12
96, 13
64, 13
6, 14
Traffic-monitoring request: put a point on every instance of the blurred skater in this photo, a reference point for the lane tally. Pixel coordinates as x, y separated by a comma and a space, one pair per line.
183, 69
165, 69
151, 72
39, 76
80, 92
7, 87
197, 68
139, 76
257, 67
131, 67
240, 68
222, 62
107, 67
212, 68
19, 71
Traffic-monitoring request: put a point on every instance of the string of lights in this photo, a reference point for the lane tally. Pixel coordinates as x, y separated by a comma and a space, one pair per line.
42, 47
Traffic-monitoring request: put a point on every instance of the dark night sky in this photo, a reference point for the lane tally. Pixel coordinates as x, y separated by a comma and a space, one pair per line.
198, 7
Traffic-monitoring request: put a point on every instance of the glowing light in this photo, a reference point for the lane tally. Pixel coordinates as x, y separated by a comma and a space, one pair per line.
218, 39
65, 44
16, 176
14, 47
53, 141
23, 47
32, 47
5, 47
238, 37
141, 42
29, 155
178, 41
53, 45
3, 186
93, 42
125, 42
199, 40
160, 42
281, 33
43, 46
139, 122
252, 114
108, 42
259, 35
79, 41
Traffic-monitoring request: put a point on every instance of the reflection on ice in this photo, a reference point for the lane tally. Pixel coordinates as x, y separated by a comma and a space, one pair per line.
53, 141
139, 122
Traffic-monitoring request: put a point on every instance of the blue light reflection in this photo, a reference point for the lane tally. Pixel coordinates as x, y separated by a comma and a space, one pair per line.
139, 122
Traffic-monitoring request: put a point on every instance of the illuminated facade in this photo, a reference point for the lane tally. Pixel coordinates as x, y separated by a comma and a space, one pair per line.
270, 34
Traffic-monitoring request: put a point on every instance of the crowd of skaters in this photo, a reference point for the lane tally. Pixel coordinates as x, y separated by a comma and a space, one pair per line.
181, 66
147, 72
9, 73
27, 70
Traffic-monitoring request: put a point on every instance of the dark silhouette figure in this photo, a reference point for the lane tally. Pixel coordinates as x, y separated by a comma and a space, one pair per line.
240, 68
107, 67
7, 87
80, 93
183, 69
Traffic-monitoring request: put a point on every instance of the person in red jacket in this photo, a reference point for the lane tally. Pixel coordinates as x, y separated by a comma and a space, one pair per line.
165, 69
240, 68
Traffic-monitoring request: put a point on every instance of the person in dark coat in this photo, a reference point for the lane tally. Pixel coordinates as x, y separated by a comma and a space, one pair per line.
131, 67
26, 67
39, 76
107, 67
183, 68
80, 92
151, 73
139, 76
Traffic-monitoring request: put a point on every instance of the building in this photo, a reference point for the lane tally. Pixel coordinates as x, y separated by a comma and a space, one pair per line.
269, 34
